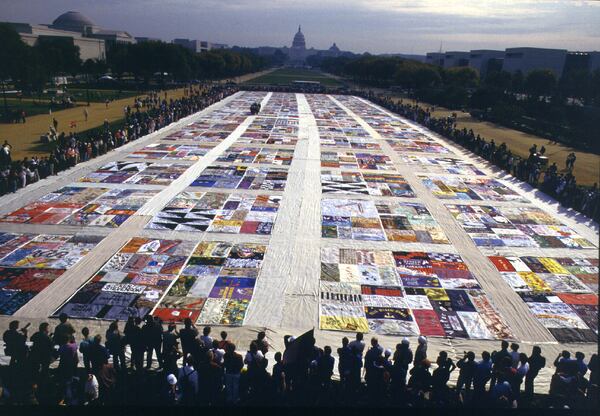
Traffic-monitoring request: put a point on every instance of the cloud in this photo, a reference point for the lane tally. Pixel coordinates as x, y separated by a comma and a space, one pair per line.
378, 26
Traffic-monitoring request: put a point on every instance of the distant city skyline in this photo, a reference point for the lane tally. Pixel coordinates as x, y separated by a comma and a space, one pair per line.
376, 26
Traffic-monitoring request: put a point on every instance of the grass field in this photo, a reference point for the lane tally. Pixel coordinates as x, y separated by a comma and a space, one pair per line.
32, 107
285, 76
25, 138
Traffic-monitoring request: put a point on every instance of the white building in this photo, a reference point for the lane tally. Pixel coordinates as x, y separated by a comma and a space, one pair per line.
91, 39
89, 48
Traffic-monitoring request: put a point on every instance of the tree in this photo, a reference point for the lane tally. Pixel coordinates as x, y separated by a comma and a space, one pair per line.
60, 55
498, 80
517, 82
461, 77
540, 82
426, 76
12, 52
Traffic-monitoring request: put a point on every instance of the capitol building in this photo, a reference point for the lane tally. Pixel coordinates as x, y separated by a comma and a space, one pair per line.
298, 52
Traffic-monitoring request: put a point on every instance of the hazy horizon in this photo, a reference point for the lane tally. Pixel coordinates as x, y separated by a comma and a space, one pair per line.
375, 26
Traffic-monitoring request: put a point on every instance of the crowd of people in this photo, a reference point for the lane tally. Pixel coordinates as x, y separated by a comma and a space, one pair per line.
145, 116
560, 184
146, 363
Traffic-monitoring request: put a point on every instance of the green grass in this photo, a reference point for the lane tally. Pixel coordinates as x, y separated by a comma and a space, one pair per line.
31, 107
286, 76
99, 96
80, 95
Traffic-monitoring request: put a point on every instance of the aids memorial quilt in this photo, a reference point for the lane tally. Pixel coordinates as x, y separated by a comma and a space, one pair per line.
560, 292
351, 160
379, 221
362, 183
281, 157
132, 282
478, 189
441, 165
242, 177
217, 212
404, 293
142, 173
30, 262
167, 151
216, 285
515, 227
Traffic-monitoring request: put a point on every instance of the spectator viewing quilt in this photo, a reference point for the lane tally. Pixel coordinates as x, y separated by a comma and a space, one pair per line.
560, 292
282, 157
142, 173
441, 165
132, 282
479, 189
216, 285
515, 227
404, 293
379, 221
30, 262
216, 212
168, 151
362, 183
351, 160
242, 177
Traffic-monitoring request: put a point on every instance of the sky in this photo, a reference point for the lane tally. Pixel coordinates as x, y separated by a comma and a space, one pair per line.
375, 26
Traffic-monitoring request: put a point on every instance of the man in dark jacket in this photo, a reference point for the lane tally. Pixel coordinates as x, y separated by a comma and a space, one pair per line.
15, 343
402, 359
136, 341
497, 359
64, 331
152, 334
233, 364
99, 354
536, 363
344, 362
42, 351
187, 335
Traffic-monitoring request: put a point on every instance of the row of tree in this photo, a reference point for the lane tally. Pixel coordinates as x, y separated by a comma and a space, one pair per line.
418, 76
31, 67
565, 109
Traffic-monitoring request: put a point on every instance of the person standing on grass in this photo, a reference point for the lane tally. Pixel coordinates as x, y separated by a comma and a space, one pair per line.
85, 114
